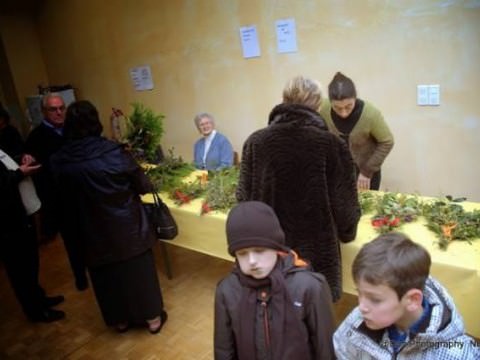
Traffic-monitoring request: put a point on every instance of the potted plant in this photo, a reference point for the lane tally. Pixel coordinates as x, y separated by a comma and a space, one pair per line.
144, 133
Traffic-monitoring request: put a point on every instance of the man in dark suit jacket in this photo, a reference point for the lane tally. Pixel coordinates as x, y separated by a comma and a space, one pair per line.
18, 243
42, 142
45, 140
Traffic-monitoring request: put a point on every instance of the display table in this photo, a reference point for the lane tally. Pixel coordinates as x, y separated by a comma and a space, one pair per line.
457, 268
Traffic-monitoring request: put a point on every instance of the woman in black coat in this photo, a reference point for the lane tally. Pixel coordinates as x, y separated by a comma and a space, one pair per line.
100, 184
306, 174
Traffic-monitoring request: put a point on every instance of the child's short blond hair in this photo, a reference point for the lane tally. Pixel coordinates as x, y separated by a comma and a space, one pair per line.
394, 260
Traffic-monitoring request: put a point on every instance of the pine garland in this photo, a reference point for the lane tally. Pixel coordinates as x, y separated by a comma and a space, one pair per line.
220, 190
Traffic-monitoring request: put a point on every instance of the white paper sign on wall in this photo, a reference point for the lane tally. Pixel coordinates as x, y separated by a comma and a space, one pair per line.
249, 39
286, 35
142, 78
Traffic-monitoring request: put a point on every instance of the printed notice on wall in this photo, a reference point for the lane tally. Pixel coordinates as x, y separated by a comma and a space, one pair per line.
249, 38
286, 36
142, 78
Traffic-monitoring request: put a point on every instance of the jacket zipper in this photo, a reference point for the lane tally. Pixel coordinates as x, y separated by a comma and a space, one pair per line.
266, 324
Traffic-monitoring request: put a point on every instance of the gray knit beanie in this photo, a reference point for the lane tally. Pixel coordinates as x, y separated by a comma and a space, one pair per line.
254, 224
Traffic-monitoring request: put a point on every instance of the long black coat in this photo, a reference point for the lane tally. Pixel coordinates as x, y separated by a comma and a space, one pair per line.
13, 216
306, 174
42, 142
99, 184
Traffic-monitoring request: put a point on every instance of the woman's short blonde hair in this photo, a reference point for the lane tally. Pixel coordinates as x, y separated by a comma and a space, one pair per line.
304, 91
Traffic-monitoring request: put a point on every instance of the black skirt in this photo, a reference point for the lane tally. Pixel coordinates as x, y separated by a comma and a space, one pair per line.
128, 291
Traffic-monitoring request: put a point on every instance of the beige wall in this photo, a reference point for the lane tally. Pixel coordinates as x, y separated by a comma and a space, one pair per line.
21, 42
26, 69
193, 48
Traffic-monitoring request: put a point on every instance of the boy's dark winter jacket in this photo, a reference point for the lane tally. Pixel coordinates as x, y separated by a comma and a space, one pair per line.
311, 302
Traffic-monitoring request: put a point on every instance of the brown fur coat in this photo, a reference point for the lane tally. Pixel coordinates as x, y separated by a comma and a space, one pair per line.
306, 174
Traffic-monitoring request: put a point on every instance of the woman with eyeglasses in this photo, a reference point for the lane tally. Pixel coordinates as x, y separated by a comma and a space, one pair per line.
362, 126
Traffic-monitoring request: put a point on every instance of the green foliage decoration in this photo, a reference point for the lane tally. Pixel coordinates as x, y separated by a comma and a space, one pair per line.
187, 191
445, 217
449, 221
367, 200
392, 210
144, 132
220, 190
170, 172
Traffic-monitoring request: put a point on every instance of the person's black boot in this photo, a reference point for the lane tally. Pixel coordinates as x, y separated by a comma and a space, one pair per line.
50, 301
47, 316
81, 283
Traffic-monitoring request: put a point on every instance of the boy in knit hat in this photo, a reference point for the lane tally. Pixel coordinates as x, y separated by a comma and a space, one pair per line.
271, 306
402, 312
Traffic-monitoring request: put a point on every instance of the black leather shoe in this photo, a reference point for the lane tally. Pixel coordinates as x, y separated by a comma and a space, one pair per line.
48, 316
81, 284
49, 301
122, 327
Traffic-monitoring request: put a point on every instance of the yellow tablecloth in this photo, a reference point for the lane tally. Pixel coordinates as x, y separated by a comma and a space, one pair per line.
457, 268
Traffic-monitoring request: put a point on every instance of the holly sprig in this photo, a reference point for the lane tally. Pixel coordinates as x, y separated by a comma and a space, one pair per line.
392, 210
185, 192
449, 221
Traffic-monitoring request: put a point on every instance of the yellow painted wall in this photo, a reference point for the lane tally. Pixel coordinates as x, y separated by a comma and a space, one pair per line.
26, 66
22, 46
193, 48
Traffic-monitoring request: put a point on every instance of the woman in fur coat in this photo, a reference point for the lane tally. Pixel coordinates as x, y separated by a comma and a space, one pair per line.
306, 174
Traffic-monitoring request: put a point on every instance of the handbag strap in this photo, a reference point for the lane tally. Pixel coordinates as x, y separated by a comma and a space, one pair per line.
156, 199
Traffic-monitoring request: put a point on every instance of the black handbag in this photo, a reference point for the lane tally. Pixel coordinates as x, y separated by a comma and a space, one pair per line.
161, 218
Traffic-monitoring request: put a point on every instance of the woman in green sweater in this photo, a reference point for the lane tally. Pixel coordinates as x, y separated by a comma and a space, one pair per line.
362, 126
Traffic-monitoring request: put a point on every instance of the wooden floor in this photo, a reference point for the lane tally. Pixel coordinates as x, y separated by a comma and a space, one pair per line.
188, 334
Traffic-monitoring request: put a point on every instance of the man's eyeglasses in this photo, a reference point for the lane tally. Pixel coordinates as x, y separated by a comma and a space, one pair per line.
56, 108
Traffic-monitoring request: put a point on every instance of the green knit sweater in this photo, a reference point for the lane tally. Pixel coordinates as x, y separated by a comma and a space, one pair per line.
370, 140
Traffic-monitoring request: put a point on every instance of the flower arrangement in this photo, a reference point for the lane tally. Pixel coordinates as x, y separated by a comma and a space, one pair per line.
393, 210
449, 221
169, 174
183, 193
220, 190
217, 188
144, 133
445, 217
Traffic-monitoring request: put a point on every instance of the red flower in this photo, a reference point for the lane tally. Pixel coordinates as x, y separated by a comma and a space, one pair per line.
205, 208
378, 222
182, 197
395, 222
